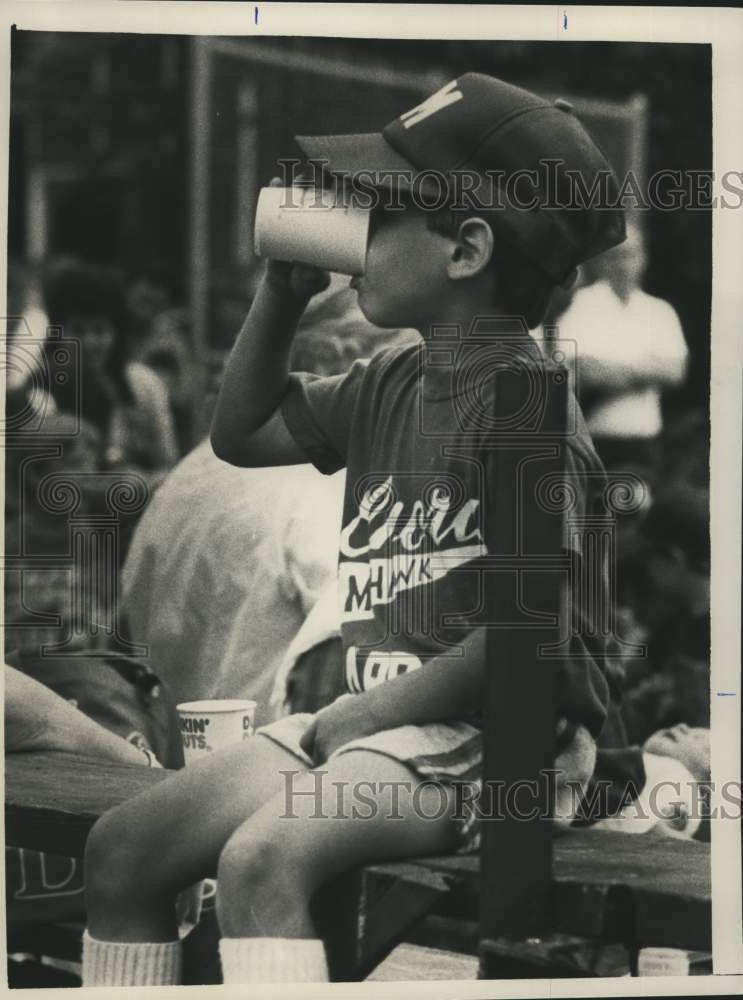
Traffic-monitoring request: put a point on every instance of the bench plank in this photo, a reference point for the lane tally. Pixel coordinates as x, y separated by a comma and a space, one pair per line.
601, 882
603, 857
53, 799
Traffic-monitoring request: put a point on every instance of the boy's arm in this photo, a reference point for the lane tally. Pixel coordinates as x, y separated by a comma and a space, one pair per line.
248, 428
447, 687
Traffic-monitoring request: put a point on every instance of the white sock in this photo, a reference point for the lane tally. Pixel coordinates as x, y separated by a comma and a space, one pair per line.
124, 963
272, 960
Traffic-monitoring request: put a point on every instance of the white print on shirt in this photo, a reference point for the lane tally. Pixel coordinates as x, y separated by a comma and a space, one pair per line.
363, 585
424, 520
380, 666
448, 94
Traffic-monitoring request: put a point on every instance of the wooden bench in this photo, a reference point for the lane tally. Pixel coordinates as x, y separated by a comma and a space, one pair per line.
51, 803
610, 887
53, 799
637, 890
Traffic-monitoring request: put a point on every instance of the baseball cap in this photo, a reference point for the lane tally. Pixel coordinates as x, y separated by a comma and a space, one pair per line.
494, 131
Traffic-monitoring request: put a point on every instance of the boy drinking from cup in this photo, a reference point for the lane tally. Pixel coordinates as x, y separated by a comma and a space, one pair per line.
411, 538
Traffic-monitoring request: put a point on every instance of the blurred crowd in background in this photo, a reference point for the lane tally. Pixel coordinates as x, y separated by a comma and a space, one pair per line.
136, 401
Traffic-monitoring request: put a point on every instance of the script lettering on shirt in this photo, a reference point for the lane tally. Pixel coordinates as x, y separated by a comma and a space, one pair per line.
424, 519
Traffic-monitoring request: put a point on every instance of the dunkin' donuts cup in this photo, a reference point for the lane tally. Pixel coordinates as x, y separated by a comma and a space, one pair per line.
310, 226
214, 724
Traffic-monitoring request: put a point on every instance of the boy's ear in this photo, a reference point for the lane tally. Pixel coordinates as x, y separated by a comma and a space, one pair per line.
472, 250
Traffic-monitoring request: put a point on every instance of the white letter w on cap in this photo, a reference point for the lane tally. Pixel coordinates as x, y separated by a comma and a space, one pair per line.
441, 99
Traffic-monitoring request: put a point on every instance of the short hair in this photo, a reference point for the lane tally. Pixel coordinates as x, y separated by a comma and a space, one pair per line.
520, 287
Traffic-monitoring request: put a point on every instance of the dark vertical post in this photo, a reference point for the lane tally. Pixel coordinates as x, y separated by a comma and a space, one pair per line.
519, 696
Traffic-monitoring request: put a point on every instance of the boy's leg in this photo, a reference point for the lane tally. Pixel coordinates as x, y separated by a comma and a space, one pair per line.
318, 826
142, 853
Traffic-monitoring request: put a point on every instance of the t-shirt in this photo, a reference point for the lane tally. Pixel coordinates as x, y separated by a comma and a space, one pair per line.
411, 580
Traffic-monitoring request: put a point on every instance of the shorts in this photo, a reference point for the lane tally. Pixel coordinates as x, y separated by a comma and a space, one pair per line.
449, 753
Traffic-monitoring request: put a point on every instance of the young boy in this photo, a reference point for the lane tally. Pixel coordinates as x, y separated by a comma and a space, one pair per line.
279, 815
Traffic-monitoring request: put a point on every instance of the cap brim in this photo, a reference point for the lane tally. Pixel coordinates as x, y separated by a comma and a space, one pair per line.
351, 154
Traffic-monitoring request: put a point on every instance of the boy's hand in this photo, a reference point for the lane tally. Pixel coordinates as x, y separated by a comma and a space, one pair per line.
346, 719
301, 281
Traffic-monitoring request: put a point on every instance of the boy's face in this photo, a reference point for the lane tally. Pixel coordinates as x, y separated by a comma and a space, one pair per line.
405, 280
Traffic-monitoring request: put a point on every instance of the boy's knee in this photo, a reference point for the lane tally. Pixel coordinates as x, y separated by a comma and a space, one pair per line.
258, 856
117, 854
248, 856
260, 877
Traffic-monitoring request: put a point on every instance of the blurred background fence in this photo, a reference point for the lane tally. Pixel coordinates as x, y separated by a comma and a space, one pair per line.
146, 152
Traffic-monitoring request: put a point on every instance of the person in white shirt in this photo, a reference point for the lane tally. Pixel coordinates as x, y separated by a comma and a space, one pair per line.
224, 566
630, 347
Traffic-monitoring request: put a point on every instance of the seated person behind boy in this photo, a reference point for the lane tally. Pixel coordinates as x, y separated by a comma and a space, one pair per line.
414, 728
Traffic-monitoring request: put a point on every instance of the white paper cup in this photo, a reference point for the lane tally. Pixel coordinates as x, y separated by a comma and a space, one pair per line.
309, 226
213, 724
662, 962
